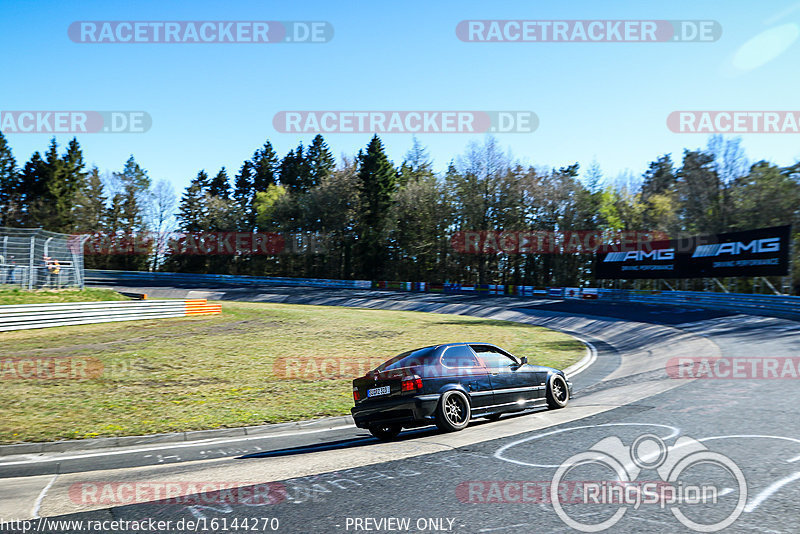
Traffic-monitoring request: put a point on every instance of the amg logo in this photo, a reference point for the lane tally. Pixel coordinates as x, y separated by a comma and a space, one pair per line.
770, 244
664, 254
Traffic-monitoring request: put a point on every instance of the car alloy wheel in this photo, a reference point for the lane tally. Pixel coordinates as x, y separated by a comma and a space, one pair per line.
557, 393
453, 412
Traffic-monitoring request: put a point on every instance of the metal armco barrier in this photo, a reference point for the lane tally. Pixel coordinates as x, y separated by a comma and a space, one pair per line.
28, 316
773, 305
98, 277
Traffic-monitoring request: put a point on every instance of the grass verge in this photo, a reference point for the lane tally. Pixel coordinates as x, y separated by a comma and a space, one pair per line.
15, 295
228, 370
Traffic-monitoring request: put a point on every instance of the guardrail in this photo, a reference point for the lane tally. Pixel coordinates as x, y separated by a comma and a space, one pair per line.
97, 277
29, 316
774, 305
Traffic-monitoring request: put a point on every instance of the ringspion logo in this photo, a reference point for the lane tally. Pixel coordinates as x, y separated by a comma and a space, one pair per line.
689, 474
206, 31
55, 122
388, 122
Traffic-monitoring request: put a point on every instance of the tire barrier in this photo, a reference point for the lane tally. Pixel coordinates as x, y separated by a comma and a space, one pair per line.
29, 316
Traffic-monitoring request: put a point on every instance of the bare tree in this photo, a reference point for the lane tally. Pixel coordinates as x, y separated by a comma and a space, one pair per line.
161, 206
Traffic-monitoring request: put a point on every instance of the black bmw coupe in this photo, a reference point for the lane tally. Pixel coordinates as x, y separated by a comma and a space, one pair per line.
451, 384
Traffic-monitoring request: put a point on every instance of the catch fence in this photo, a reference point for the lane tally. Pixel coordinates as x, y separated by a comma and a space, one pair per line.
32, 258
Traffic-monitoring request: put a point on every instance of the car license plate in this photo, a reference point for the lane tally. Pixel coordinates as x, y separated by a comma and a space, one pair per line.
374, 392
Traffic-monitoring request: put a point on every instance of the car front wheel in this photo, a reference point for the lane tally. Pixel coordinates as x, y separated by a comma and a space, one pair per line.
453, 412
557, 392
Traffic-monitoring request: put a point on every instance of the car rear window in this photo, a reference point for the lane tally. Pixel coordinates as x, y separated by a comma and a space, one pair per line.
406, 359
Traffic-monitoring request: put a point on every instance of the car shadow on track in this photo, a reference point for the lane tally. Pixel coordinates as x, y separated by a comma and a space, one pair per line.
406, 435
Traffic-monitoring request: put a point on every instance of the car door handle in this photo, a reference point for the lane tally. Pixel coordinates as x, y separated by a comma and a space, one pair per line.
495, 374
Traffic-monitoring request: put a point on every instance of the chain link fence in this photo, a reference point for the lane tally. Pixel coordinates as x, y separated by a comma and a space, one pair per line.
34, 259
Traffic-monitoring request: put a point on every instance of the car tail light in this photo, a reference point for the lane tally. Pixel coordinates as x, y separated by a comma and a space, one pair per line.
356, 396
411, 383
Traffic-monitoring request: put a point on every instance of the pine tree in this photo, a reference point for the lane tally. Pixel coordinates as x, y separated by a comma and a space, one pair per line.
243, 196
10, 179
377, 180
219, 186
193, 207
264, 164
32, 190
243, 185
320, 162
90, 205
293, 171
659, 177
51, 205
135, 184
70, 182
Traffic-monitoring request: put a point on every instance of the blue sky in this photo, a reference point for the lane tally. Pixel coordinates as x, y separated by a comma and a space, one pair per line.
212, 105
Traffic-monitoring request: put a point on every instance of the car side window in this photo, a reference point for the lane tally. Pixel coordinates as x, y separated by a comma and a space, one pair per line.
459, 356
492, 358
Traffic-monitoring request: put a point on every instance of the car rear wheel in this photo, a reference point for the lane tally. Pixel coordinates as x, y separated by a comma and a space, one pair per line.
385, 432
453, 412
557, 392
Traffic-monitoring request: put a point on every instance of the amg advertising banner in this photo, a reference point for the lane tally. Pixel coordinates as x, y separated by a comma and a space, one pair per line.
762, 252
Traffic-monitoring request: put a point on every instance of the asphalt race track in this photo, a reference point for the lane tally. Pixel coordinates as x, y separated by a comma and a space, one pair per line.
491, 477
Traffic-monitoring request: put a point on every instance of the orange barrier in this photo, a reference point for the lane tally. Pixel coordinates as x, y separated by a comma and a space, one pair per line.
201, 307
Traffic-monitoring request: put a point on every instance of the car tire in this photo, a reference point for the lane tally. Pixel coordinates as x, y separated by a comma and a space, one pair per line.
385, 432
557, 392
453, 412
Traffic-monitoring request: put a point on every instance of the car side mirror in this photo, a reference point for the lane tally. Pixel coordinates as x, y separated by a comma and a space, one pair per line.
523, 360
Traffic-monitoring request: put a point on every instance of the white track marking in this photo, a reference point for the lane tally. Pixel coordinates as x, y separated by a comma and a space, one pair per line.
164, 446
40, 498
761, 436
767, 492
499, 453
770, 490
503, 528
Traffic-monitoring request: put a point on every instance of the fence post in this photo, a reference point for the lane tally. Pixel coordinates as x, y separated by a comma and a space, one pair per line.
31, 272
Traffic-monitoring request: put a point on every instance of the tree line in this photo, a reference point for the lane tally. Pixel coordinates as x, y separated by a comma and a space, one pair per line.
382, 221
